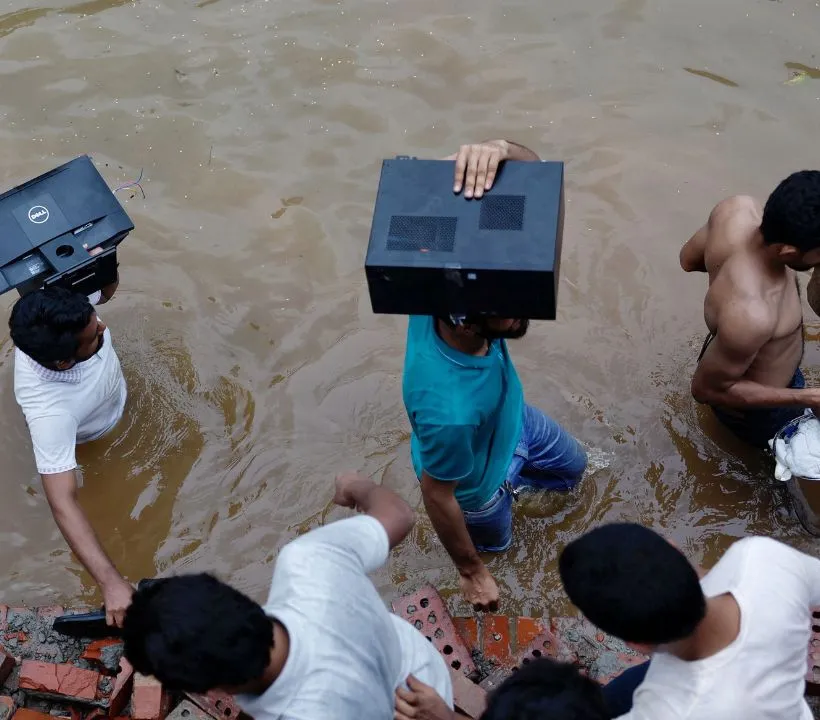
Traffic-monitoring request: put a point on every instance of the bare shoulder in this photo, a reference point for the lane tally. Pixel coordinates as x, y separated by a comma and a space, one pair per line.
742, 316
732, 224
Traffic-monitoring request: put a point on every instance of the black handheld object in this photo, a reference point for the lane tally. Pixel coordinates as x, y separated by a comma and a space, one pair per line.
91, 625
49, 224
432, 252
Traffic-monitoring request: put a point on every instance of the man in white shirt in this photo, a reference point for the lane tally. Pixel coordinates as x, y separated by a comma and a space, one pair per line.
323, 646
732, 645
69, 385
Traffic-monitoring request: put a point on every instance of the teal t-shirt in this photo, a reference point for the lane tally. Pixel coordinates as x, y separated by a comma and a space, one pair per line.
466, 412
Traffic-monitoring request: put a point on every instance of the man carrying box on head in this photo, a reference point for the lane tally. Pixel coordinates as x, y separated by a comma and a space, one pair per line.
70, 387
475, 441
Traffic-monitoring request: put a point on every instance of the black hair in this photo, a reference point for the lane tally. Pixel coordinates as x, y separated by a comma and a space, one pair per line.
46, 324
631, 583
546, 690
792, 212
194, 633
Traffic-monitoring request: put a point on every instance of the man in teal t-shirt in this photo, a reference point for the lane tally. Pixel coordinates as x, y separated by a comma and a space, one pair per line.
474, 439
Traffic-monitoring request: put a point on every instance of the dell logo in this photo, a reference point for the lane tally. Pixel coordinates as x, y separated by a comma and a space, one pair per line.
38, 214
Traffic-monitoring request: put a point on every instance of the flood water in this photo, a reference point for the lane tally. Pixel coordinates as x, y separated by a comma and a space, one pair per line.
256, 369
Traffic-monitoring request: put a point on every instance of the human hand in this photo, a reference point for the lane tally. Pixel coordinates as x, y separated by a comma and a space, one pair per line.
117, 597
346, 484
477, 166
479, 589
420, 702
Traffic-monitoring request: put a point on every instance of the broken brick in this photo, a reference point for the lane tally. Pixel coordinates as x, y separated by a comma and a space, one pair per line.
7, 707
149, 701
106, 654
62, 681
425, 610
28, 714
217, 703
121, 692
468, 629
547, 644
467, 696
187, 710
497, 642
7, 664
527, 629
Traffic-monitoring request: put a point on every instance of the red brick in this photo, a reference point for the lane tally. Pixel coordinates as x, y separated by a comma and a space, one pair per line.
468, 629
187, 710
121, 693
425, 610
7, 707
496, 639
467, 696
218, 704
26, 714
527, 629
7, 664
64, 680
149, 701
545, 645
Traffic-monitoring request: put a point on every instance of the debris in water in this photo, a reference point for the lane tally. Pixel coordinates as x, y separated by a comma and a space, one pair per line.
797, 77
712, 76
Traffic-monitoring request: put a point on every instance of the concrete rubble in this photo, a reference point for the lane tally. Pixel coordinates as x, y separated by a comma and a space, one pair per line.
47, 676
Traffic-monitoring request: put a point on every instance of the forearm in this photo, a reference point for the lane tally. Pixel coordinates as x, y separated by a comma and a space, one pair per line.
747, 395
448, 522
521, 152
83, 541
384, 505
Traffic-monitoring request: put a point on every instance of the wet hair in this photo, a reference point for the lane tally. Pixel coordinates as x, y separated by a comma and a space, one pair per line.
194, 634
546, 690
46, 324
631, 583
792, 212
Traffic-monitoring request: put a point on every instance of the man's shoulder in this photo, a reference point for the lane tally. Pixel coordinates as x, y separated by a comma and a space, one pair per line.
741, 209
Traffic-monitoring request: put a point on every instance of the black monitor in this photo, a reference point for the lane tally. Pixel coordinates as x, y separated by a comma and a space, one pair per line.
49, 224
433, 252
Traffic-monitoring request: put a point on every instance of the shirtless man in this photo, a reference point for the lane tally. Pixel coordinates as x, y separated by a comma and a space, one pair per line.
748, 370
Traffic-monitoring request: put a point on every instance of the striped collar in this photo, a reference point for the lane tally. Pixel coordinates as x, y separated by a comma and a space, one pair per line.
73, 375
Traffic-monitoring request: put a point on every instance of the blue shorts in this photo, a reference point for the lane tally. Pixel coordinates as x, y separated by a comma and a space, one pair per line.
547, 458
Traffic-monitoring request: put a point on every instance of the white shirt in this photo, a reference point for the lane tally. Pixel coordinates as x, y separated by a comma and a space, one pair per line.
348, 653
67, 407
760, 676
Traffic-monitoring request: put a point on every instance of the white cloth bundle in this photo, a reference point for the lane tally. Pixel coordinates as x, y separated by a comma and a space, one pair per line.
796, 449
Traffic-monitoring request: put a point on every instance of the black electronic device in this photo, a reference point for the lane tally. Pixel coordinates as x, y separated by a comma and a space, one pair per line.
49, 224
434, 252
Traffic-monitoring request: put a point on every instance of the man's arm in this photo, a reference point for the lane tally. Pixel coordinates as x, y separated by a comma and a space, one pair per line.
354, 490
421, 702
477, 164
108, 291
693, 253
477, 584
744, 328
61, 492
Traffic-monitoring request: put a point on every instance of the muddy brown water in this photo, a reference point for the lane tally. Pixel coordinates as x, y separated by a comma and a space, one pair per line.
256, 369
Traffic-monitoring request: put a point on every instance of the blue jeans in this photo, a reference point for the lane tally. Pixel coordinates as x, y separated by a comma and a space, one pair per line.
547, 458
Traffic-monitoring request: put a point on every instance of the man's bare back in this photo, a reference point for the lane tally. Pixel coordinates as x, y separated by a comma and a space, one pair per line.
739, 275
753, 312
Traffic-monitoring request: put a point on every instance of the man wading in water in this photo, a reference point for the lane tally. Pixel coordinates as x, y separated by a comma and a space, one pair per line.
748, 370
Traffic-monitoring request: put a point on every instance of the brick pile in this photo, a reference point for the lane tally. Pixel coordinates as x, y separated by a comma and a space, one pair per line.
47, 676
497, 645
